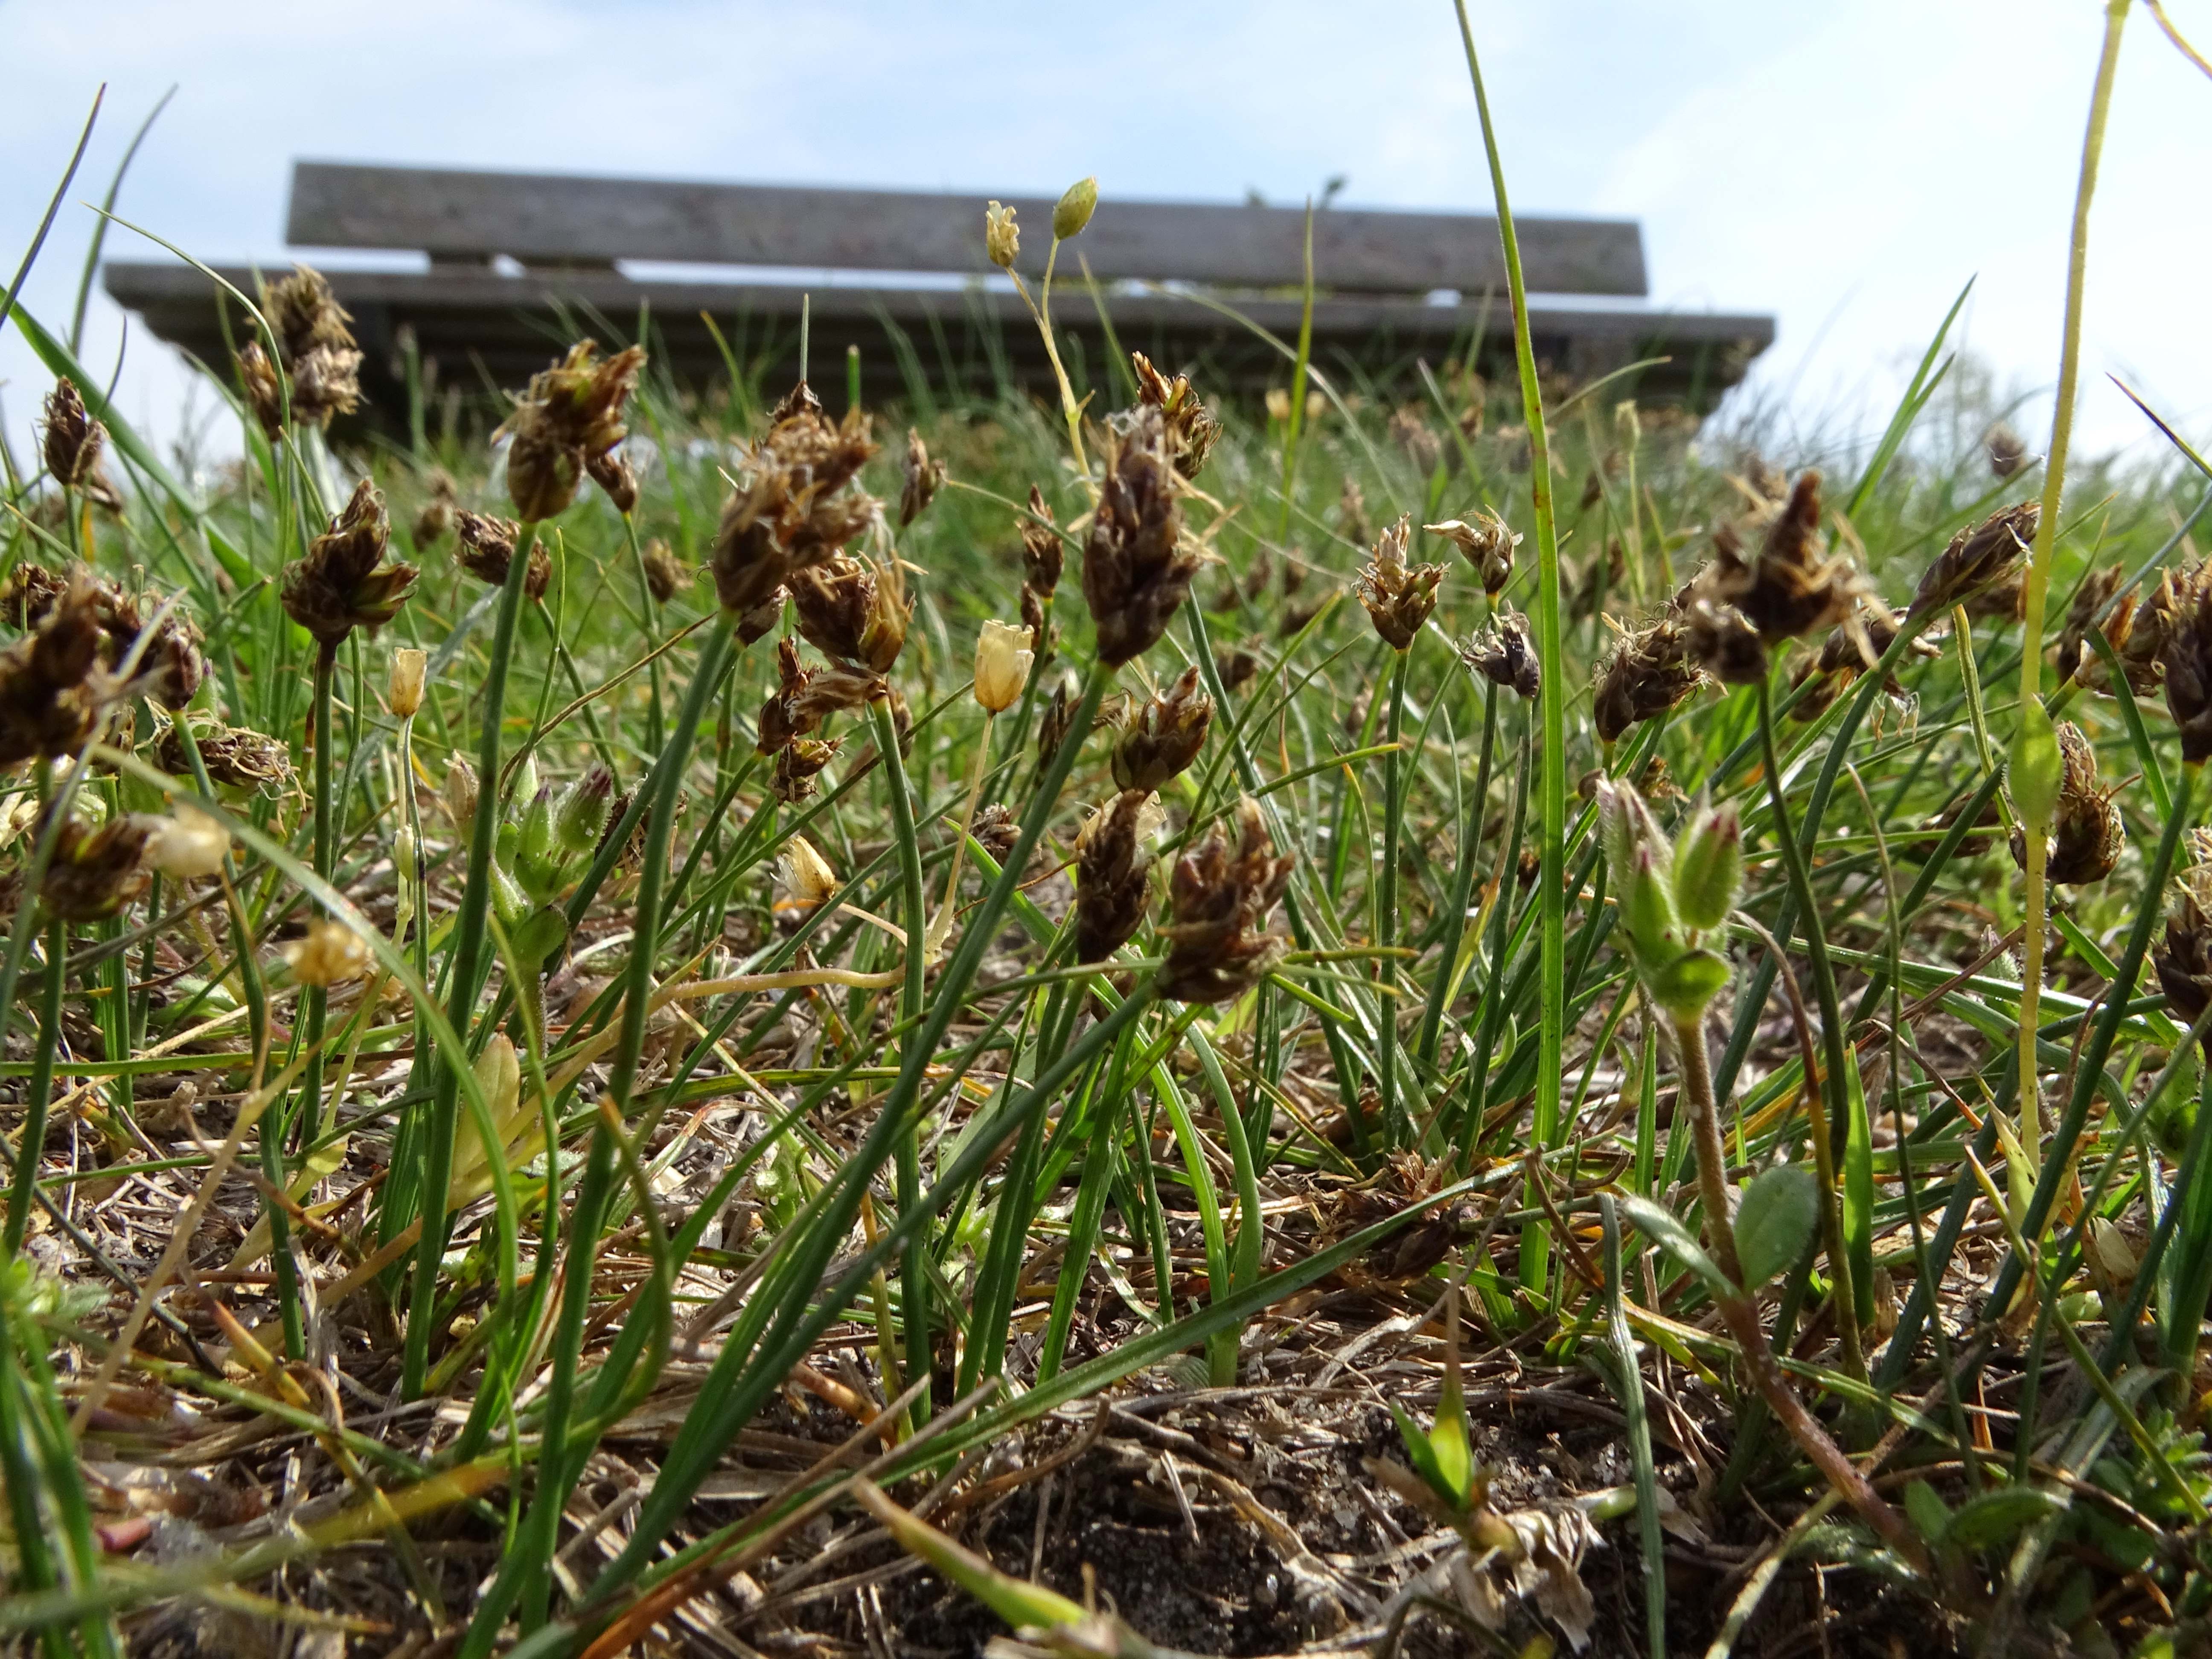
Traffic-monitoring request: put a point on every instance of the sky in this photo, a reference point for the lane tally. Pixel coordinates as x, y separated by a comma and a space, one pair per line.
1847, 166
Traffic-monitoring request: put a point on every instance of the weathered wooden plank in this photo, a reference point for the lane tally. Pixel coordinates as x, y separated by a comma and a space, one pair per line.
540, 218
506, 327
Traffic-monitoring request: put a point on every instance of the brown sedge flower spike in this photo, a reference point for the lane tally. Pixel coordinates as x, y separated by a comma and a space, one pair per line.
2087, 832
1111, 868
1218, 904
341, 583
72, 438
1191, 429
1979, 558
792, 508
1504, 654
1399, 598
1136, 571
1163, 735
1488, 544
569, 423
485, 547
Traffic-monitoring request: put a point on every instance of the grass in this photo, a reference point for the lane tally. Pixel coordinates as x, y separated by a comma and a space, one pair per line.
604, 1190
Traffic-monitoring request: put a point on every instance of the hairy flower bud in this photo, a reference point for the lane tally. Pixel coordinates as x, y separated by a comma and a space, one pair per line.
1003, 658
580, 816
1680, 978
1073, 209
1709, 868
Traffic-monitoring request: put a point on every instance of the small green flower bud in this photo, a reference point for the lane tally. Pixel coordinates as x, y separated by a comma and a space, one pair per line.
523, 789
509, 901
1073, 209
535, 840
582, 814
1709, 868
1653, 928
1624, 825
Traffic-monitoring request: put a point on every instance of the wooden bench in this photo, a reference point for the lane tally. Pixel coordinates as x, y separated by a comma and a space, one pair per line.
519, 263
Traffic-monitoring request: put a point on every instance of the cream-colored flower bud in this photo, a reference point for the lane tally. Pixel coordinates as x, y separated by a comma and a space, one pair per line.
331, 954
1002, 665
1002, 238
459, 792
1279, 403
187, 843
806, 875
404, 690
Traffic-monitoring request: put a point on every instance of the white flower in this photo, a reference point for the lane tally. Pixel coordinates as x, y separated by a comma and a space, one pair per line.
187, 843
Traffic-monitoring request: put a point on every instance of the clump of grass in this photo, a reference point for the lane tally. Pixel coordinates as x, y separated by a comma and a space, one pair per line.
816, 1010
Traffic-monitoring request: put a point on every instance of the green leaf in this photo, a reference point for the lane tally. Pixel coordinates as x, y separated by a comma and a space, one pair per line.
1451, 1443
1779, 1211
1420, 1452
1661, 1227
1996, 1517
1859, 1189
1927, 1512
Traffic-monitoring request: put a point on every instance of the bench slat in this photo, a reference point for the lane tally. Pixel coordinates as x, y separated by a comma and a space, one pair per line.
545, 219
504, 328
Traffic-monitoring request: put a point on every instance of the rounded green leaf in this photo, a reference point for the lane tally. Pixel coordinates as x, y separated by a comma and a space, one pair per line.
1996, 1517
1775, 1221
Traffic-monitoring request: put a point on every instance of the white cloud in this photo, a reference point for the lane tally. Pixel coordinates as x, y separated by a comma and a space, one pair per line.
1847, 166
